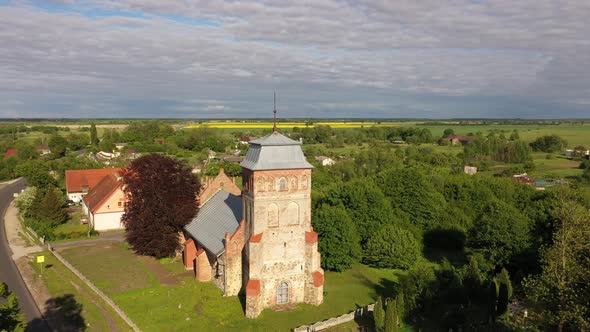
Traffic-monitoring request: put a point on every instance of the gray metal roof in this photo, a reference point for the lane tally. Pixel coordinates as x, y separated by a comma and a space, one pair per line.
275, 151
219, 215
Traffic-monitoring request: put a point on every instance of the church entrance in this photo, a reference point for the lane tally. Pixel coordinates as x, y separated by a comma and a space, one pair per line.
283, 293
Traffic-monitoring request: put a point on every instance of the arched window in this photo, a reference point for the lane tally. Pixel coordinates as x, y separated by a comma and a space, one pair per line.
283, 293
273, 215
283, 186
292, 214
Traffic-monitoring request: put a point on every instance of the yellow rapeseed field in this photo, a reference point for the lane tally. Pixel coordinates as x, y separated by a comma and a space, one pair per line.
288, 125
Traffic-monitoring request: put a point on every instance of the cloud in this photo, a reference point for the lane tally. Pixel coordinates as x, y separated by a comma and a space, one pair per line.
145, 58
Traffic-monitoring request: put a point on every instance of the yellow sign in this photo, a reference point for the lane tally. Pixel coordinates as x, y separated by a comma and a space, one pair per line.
40, 259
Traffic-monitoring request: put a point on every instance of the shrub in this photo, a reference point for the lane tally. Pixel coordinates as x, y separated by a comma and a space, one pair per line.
392, 247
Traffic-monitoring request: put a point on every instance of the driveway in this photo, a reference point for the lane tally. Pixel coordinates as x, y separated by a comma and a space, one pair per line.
114, 236
8, 270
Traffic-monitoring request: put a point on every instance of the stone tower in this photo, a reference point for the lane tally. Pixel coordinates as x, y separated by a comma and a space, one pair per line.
281, 258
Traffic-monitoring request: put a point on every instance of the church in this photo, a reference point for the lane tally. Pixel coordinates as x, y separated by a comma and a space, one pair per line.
259, 241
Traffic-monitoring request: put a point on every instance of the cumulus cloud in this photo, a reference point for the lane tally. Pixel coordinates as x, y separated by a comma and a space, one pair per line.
379, 58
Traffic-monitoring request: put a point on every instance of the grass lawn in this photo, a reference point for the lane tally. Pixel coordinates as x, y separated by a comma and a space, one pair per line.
60, 282
188, 304
559, 167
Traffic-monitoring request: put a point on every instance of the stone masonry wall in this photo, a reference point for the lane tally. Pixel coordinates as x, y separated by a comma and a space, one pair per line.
234, 245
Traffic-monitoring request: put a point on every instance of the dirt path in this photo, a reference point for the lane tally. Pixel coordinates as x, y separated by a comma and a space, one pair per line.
18, 245
107, 317
165, 277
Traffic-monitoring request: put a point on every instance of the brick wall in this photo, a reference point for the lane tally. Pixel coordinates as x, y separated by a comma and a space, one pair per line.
234, 246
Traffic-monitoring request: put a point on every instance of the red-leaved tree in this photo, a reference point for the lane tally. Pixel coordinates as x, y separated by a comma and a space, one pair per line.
162, 199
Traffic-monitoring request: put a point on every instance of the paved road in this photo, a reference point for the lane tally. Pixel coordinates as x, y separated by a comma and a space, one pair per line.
8, 271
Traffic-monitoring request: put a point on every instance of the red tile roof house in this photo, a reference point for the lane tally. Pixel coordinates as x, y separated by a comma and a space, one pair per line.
10, 152
79, 182
105, 203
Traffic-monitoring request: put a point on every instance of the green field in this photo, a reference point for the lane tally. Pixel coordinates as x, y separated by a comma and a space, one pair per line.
575, 134
70, 294
174, 301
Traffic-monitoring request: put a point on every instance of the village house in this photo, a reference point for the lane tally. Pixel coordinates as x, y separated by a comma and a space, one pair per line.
457, 139
105, 203
259, 241
80, 182
43, 150
325, 161
470, 170
10, 153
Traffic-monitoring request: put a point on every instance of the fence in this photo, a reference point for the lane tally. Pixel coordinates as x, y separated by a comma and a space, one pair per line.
358, 313
96, 290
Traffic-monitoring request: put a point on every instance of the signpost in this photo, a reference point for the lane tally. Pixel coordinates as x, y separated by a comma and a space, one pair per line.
41, 260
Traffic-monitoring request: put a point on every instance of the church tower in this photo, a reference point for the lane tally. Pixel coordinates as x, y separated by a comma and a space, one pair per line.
281, 258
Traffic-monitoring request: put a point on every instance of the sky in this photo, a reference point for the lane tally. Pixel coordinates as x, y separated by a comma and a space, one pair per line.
325, 59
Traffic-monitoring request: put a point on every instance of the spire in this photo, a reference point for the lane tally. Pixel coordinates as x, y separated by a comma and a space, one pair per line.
274, 126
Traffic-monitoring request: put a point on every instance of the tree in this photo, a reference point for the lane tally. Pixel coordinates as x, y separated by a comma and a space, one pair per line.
392, 247
391, 316
562, 287
162, 194
11, 318
36, 172
448, 132
472, 279
400, 308
514, 136
51, 208
413, 192
492, 300
365, 204
93, 135
379, 315
339, 241
500, 231
25, 200
58, 145
549, 143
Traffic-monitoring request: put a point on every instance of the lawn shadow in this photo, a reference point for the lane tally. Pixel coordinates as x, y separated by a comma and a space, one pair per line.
384, 287
63, 313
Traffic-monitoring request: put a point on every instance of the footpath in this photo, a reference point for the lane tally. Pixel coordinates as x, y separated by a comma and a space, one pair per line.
22, 247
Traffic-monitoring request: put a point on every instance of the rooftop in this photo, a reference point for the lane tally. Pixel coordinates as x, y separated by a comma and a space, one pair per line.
275, 151
102, 191
221, 214
77, 179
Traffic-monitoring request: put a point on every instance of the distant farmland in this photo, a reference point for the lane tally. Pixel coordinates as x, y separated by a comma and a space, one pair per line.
289, 125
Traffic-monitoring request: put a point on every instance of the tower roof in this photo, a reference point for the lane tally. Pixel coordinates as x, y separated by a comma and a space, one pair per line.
275, 151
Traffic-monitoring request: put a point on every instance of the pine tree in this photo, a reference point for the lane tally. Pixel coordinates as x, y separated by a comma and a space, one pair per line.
399, 303
52, 208
504, 277
391, 316
472, 279
11, 318
379, 315
93, 135
502, 300
492, 300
